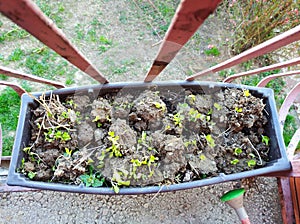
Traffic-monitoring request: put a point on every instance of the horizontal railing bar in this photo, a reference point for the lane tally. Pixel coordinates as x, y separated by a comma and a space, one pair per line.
269, 78
21, 75
16, 87
277, 42
28, 16
288, 63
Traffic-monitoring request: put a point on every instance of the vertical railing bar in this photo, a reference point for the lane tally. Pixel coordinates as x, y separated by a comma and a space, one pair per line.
28, 16
187, 19
21, 75
288, 63
277, 42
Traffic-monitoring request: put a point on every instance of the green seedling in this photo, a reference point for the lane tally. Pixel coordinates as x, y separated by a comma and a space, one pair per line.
247, 93
192, 98
57, 135
251, 163
97, 118
238, 110
217, 106
237, 151
117, 181
188, 143
251, 155
234, 162
178, 118
31, 175
32, 155
64, 114
143, 138
115, 148
202, 157
68, 152
71, 103
92, 180
194, 115
210, 141
160, 106
63, 136
265, 139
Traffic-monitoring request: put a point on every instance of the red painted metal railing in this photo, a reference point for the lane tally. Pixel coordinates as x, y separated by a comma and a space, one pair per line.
189, 16
25, 13
21, 75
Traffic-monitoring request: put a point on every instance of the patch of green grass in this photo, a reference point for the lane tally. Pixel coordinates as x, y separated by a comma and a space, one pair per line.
123, 17
53, 11
14, 34
212, 51
16, 55
159, 14
290, 127
226, 73
9, 112
3, 77
47, 64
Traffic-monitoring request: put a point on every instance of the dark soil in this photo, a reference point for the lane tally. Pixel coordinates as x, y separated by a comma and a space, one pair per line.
148, 137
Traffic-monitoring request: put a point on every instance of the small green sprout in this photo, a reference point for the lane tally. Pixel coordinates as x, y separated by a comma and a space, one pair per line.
202, 157
238, 110
57, 135
265, 139
192, 98
234, 162
68, 152
92, 180
217, 106
194, 115
178, 118
114, 149
64, 114
64, 136
237, 151
143, 138
210, 141
71, 103
31, 175
251, 155
251, 163
160, 106
117, 181
97, 118
247, 93
168, 127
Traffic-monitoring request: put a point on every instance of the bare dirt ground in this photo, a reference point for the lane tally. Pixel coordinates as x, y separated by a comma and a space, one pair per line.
133, 48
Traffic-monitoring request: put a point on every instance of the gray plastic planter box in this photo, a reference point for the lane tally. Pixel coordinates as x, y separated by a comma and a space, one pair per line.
278, 159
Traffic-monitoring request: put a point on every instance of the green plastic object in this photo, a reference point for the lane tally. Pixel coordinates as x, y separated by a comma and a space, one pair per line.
232, 194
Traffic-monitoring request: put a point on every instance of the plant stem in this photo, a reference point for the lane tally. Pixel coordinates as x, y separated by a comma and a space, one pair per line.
260, 160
